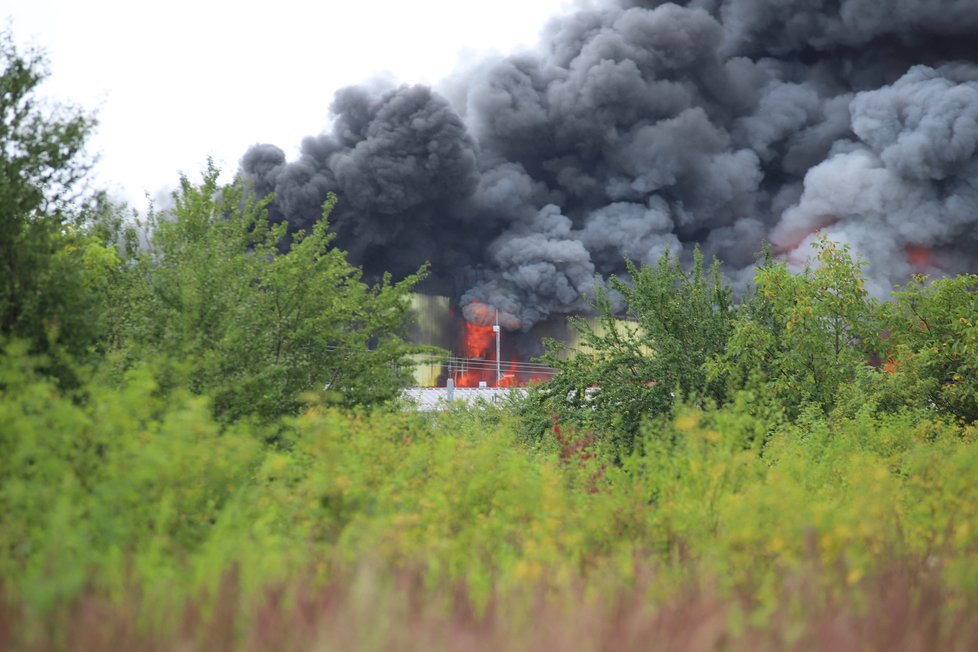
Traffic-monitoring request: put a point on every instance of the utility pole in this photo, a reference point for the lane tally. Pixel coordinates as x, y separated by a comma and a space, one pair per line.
495, 329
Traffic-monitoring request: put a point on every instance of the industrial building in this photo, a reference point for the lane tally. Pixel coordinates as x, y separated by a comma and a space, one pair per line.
474, 356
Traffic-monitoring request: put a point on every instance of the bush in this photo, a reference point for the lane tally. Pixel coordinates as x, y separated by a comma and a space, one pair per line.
257, 328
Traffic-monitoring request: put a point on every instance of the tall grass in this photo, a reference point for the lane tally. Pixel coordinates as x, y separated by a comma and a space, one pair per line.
901, 608
133, 520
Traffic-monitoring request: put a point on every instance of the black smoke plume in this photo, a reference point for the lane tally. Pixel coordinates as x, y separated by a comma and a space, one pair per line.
644, 126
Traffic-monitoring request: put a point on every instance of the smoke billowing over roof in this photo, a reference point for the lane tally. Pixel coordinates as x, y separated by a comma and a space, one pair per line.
645, 126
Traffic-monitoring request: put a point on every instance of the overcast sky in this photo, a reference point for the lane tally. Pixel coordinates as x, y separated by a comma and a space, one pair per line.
176, 81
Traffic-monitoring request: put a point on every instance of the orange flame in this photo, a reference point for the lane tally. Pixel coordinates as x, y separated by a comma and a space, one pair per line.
478, 343
786, 241
918, 256
478, 340
511, 377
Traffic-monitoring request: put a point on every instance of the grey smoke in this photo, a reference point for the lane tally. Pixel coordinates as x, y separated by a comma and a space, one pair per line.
640, 127
402, 163
908, 177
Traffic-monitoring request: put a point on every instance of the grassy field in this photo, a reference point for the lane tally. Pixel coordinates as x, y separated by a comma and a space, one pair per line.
904, 608
133, 521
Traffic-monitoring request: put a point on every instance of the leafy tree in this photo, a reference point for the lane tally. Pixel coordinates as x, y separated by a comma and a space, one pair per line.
685, 318
932, 346
802, 338
43, 284
626, 370
44, 277
254, 327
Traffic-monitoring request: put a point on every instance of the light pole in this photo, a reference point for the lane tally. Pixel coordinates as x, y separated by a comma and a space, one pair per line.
495, 329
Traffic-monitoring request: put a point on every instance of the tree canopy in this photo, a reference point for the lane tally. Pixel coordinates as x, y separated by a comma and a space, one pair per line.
255, 327
44, 282
630, 369
797, 341
801, 338
209, 293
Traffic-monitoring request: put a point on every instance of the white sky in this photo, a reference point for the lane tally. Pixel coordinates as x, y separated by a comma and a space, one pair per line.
176, 81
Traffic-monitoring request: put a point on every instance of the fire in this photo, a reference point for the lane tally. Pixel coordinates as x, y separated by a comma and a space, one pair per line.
478, 340
477, 344
786, 246
479, 312
918, 256
787, 240
511, 376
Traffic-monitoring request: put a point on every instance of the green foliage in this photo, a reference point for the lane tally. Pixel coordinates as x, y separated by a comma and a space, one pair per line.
629, 370
257, 327
143, 486
685, 319
45, 270
802, 338
752, 447
142, 489
840, 493
932, 346
128, 474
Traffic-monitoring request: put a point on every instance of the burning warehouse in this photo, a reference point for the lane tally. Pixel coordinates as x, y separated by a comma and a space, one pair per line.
478, 355
481, 355
642, 126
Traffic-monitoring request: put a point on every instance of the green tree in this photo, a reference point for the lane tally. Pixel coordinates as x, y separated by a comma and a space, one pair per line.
932, 346
626, 370
254, 327
802, 338
43, 284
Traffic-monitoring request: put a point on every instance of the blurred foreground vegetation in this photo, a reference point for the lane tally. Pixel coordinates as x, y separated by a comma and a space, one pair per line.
201, 447
144, 504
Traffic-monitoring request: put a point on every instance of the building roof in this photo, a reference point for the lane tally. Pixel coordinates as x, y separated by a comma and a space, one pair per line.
429, 399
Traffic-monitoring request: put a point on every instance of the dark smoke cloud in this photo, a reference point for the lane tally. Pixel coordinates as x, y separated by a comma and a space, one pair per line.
402, 163
908, 178
780, 27
641, 127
